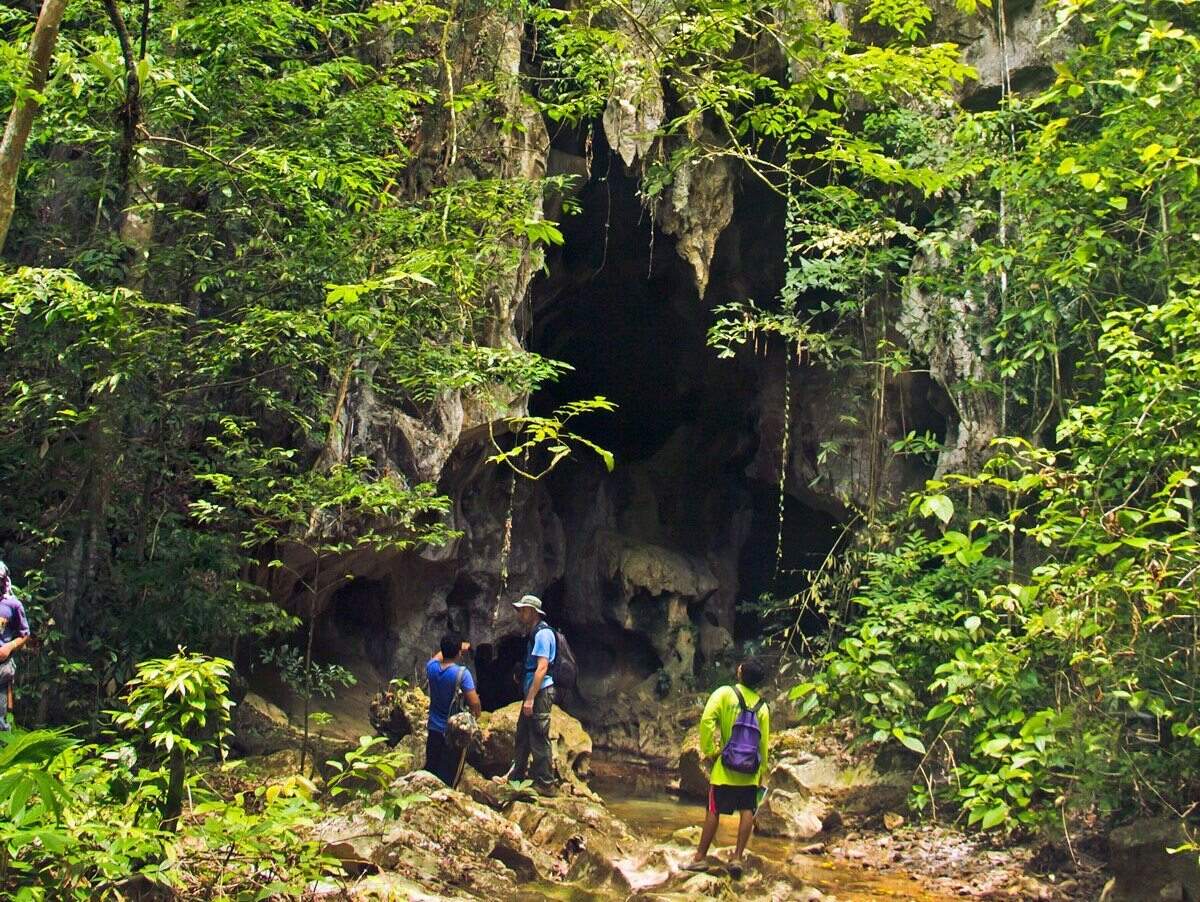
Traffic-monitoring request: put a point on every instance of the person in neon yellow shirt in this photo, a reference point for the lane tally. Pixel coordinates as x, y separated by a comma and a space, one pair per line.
732, 789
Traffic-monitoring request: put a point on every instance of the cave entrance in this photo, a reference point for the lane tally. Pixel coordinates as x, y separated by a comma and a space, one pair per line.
621, 306
768, 577
498, 669
358, 623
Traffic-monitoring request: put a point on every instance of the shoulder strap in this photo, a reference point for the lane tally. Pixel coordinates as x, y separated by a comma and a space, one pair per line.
757, 707
741, 700
458, 680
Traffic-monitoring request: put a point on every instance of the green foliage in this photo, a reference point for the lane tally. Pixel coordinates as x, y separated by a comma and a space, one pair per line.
552, 435
1026, 629
179, 702
310, 681
292, 248
84, 822
368, 771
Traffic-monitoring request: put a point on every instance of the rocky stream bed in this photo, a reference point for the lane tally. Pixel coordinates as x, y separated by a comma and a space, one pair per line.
831, 828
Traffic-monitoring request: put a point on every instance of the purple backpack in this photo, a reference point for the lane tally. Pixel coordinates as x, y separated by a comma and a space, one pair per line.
741, 751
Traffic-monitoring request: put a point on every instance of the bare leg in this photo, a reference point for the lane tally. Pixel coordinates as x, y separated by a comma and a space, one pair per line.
745, 828
711, 820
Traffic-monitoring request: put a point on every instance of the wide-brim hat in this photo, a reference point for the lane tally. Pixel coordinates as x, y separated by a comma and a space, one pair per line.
529, 601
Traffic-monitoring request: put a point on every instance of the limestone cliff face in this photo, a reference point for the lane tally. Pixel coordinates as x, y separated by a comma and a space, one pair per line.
645, 567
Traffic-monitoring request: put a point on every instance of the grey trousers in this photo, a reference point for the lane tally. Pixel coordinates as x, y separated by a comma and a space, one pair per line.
533, 737
7, 671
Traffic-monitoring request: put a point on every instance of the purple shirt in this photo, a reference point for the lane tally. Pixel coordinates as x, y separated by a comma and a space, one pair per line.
12, 619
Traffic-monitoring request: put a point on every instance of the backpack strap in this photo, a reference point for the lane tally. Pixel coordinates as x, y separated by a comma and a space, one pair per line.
458, 680
543, 625
742, 702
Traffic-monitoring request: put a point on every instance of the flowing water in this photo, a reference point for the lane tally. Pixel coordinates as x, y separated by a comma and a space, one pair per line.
641, 799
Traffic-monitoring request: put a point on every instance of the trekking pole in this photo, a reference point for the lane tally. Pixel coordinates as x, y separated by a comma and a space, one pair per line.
458, 771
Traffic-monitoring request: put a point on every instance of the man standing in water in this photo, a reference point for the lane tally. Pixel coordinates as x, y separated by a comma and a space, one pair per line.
734, 731
14, 632
446, 678
533, 726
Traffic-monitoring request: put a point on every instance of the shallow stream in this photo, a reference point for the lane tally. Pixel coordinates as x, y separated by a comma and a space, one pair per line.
641, 798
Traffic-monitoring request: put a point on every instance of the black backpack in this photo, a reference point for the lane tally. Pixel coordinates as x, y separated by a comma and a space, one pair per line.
563, 669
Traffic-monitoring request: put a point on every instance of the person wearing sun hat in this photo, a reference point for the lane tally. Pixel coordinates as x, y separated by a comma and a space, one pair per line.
533, 725
14, 632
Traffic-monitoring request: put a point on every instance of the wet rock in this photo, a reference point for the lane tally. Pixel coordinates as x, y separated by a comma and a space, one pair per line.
598, 873
515, 857
1142, 866
565, 825
709, 886
391, 886
570, 742
688, 836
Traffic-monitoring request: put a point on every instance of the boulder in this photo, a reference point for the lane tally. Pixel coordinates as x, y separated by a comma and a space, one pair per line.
792, 815
400, 711
693, 771
569, 740
442, 841
261, 727
1142, 866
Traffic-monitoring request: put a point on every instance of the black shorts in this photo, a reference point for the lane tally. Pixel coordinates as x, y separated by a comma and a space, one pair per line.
728, 799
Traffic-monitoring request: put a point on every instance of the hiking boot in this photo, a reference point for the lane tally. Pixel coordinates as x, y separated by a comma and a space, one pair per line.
546, 790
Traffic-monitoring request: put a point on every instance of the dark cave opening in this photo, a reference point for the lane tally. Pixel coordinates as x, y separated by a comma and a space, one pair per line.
359, 616
498, 670
621, 306
808, 535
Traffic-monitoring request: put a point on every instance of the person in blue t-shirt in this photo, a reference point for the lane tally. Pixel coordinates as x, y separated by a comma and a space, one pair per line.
445, 678
533, 726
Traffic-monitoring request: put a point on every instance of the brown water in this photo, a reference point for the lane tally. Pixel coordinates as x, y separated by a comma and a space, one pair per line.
640, 799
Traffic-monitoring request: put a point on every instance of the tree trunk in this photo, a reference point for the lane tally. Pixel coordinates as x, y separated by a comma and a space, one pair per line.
20, 120
308, 656
130, 115
173, 803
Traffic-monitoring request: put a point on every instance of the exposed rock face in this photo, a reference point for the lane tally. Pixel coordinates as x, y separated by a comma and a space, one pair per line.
693, 771
263, 728
1023, 52
696, 210
635, 110
571, 744
644, 568
1144, 868
948, 329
